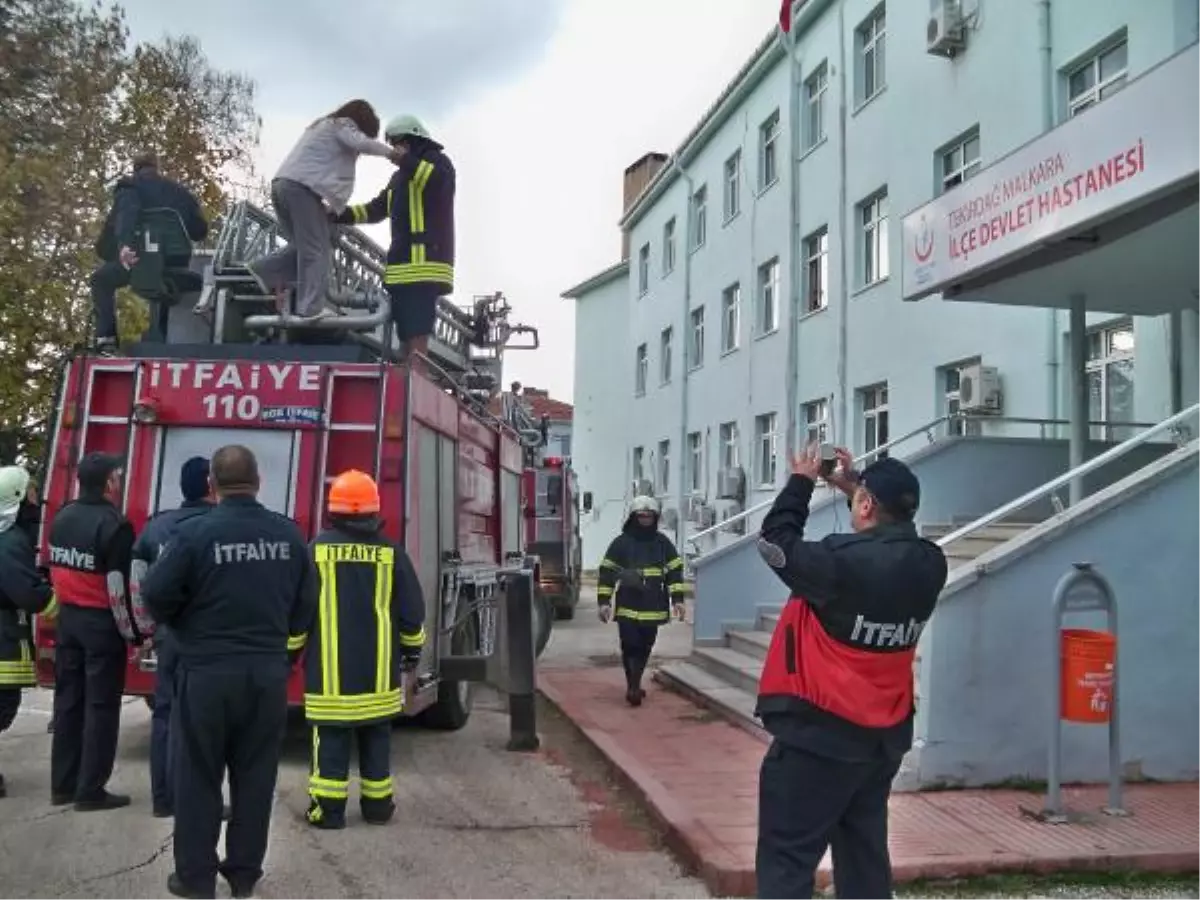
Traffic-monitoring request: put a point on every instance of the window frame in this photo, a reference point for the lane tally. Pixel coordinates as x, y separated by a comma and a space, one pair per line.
820, 424
731, 182
699, 229
731, 330
728, 437
768, 150
966, 169
695, 462
641, 372
871, 42
663, 484
766, 441
768, 281
644, 269
874, 240
1099, 366
821, 257
668, 249
816, 90
666, 361
870, 416
1095, 92
696, 332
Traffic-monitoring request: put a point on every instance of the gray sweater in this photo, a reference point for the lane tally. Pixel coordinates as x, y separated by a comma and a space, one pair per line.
323, 159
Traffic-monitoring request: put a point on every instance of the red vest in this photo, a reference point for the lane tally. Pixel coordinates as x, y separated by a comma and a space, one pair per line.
806, 666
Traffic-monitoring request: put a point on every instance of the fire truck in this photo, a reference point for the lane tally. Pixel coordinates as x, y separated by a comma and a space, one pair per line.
550, 497
227, 368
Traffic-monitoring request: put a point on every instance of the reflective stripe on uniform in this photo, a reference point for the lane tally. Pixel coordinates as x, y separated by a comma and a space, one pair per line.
637, 615
51, 609
413, 640
375, 789
415, 273
416, 196
651, 572
359, 211
674, 564
383, 621
604, 592
327, 788
18, 673
327, 610
607, 563
677, 588
297, 641
354, 707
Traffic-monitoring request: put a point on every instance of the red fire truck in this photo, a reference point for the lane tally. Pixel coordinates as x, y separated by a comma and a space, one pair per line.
449, 472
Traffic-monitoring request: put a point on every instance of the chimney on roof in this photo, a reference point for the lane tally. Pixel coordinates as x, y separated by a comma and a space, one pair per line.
637, 176
536, 392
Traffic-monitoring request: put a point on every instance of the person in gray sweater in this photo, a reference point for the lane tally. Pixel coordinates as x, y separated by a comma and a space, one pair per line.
314, 183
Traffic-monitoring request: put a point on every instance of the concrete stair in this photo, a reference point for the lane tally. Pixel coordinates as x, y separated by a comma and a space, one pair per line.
725, 678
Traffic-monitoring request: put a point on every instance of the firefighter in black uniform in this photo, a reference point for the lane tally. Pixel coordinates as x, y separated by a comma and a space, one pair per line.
197, 501
24, 591
239, 592
645, 571
837, 686
90, 544
369, 631
419, 200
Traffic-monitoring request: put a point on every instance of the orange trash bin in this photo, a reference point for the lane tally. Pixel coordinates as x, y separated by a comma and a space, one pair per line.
1086, 677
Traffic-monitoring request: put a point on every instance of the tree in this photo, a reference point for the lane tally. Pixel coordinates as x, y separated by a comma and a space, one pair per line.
76, 103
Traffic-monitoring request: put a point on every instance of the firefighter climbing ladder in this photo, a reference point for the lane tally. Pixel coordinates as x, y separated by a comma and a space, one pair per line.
467, 346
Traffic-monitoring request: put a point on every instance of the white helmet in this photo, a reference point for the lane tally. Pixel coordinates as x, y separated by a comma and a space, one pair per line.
14, 482
643, 503
405, 125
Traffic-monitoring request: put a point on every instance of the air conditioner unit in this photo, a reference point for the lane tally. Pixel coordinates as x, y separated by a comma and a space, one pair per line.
944, 33
731, 484
979, 390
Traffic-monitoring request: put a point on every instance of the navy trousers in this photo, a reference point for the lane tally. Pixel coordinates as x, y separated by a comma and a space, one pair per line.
162, 789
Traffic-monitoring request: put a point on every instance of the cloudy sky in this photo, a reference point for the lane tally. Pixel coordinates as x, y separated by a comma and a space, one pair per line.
540, 103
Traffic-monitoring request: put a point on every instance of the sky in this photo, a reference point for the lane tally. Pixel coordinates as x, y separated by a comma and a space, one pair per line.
541, 104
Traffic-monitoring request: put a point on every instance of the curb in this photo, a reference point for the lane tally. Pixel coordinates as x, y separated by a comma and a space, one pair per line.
686, 837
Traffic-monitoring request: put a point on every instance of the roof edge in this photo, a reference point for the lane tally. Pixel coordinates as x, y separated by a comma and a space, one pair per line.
596, 281
769, 51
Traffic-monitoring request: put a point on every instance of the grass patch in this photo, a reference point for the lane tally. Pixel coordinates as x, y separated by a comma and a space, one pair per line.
1066, 884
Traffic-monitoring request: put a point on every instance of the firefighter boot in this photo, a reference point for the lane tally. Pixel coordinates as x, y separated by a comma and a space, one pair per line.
633, 690
638, 667
328, 815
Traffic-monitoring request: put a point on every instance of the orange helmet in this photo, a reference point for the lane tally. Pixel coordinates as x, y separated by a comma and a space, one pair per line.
354, 493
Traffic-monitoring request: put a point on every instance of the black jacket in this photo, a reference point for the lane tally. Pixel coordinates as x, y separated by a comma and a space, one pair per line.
24, 592
235, 584
653, 576
419, 201
371, 606
146, 190
90, 545
159, 530
852, 581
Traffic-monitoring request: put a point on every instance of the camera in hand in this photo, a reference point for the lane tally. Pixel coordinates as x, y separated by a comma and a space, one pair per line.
828, 460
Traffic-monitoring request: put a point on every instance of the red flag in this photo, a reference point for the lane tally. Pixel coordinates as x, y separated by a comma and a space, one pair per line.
785, 16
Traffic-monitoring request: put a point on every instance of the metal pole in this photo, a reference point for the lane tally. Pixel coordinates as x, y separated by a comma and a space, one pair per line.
522, 669
1078, 410
1080, 590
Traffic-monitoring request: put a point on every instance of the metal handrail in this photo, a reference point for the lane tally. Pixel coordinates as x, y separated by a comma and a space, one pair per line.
1166, 425
883, 448
928, 427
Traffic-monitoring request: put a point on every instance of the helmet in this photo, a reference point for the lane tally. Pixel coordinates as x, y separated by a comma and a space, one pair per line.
14, 482
643, 503
354, 493
405, 125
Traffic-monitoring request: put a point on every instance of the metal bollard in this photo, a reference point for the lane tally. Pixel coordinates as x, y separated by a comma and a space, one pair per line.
1080, 590
522, 666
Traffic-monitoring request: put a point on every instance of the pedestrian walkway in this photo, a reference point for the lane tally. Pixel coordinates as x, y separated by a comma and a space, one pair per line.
699, 776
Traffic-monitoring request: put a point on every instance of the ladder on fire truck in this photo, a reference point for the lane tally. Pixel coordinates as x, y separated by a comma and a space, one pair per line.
466, 347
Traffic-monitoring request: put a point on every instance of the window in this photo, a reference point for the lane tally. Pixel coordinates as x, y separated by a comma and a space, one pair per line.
960, 161
728, 433
664, 466
816, 271
668, 248
814, 106
731, 317
1110, 381
564, 444
816, 422
696, 349
699, 217
643, 270
768, 160
639, 377
872, 38
695, 462
1099, 77
766, 441
664, 355
639, 466
874, 238
733, 185
767, 319
874, 416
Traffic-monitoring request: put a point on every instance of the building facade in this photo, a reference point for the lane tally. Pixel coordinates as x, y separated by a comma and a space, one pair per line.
760, 305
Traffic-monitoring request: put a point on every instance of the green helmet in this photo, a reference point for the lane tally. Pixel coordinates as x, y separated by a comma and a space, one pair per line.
406, 125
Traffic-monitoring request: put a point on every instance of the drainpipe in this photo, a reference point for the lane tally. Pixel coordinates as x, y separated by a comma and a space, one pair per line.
793, 350
843, 418
681, 519
1053, 347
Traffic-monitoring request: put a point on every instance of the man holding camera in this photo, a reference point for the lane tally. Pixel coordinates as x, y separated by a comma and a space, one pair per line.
837, 688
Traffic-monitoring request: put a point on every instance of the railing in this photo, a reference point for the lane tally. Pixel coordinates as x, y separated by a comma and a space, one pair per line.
1173, 426
966, 420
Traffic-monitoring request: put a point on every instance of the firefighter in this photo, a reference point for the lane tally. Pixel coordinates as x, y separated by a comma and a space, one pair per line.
239, 592
197, 500
645, 571
419, 200
369, 631
146, 188
90, 544
24, 591
836, 692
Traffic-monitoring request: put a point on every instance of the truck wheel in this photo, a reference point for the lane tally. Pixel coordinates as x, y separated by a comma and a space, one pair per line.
543, 621
566, 611
455, 698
